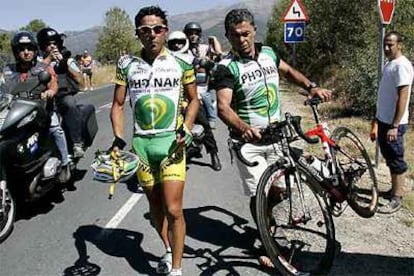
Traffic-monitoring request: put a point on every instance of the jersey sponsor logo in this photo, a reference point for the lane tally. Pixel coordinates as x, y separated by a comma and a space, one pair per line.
124, 61
258, 73
155, 83
165, 70
154, 112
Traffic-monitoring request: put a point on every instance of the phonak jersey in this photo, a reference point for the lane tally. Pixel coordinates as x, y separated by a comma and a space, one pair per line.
156, 91
255, 85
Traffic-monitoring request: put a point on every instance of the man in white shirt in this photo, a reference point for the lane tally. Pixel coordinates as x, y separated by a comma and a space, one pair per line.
391, 119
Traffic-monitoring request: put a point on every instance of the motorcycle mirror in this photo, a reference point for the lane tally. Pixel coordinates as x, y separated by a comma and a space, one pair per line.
44, 77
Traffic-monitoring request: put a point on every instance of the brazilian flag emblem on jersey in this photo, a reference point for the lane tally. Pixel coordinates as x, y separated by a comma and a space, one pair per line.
154, 112
266, 101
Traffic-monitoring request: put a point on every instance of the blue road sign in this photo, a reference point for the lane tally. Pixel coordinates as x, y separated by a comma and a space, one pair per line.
294, 32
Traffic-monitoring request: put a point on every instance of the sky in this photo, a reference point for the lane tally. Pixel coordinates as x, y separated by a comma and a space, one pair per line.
77, 15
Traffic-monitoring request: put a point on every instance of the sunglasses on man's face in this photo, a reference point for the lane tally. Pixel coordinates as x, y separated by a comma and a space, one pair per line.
148, 29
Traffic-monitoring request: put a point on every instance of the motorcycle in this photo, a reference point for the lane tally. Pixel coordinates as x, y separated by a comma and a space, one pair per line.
32, 166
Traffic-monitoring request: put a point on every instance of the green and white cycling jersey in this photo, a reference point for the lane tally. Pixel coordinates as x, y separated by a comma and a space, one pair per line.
255, 85
156, 91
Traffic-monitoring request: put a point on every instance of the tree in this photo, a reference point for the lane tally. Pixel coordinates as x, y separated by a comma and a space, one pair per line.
117, 36
5, 49
34, 26
341, 47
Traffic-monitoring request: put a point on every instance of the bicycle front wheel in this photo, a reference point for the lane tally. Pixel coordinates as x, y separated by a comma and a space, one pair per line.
358, 176
295, 224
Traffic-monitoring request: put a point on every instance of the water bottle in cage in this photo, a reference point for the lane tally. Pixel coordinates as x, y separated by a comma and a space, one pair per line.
320, 166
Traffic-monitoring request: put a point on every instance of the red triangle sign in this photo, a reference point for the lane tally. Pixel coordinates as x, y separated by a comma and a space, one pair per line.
386, 8
296, 12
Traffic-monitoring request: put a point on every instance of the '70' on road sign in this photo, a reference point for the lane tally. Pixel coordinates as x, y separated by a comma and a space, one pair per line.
294, 32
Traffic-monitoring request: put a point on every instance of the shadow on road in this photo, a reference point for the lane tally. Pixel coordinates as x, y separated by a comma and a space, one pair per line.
206, 224
198, 163
114, 242
28, 210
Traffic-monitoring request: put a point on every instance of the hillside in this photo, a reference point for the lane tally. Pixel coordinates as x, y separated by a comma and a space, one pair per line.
211, 20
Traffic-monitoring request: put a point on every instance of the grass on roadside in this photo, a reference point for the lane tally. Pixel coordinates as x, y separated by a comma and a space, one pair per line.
103, 75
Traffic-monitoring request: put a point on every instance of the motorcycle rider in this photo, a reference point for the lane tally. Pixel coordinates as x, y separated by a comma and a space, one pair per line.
201, 51
179, 43
69, 77
26, 67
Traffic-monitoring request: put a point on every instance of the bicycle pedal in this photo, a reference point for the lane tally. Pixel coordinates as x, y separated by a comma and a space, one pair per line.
338, 209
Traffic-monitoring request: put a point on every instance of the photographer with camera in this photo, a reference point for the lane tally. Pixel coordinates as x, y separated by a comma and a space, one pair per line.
69, 78
206, 53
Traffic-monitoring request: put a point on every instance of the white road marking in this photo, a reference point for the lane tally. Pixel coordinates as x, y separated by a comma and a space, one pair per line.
102, 107
108, 105
123, 212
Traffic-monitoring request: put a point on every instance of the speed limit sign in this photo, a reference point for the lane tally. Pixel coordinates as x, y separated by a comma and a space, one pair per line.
294, 32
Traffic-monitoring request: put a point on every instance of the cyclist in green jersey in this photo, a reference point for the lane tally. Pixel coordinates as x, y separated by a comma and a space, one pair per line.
157, 83
247, 85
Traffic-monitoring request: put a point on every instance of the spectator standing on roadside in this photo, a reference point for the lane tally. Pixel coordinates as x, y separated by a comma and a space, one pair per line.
86, 63
391, 118
211, 51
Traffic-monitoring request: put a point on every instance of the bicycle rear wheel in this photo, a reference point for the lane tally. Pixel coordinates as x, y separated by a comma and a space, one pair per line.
357, 172
296, 226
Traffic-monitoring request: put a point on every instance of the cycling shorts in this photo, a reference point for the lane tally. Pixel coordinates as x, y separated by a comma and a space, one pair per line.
160, 159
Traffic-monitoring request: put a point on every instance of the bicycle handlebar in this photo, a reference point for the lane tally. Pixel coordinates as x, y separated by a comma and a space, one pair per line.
274, 133
314, 101
296, 125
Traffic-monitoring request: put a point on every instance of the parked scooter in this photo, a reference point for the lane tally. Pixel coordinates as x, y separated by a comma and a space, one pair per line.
29, 158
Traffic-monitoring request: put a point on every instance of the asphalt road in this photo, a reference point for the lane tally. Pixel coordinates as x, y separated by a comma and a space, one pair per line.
84, 233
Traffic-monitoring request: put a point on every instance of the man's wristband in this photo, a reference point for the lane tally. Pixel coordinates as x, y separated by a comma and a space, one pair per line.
310, 86
119, 143
394, 126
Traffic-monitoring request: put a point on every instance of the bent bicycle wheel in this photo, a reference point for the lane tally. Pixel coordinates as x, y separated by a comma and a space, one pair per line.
295, 225
358, 175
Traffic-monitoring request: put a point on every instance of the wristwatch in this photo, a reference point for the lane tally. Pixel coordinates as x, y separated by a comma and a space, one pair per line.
311, 85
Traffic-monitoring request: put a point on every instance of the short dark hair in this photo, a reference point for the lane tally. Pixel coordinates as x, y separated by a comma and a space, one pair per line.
237, 16
397, 35
151, 10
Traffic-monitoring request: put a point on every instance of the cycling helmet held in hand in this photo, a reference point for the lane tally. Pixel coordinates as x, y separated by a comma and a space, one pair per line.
177, 42
112, 167
23, 38
46, 35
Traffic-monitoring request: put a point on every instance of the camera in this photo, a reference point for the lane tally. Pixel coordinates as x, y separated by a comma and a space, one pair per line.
204, 63
65, 53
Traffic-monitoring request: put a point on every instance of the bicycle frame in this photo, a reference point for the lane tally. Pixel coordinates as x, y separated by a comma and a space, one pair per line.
322, 131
